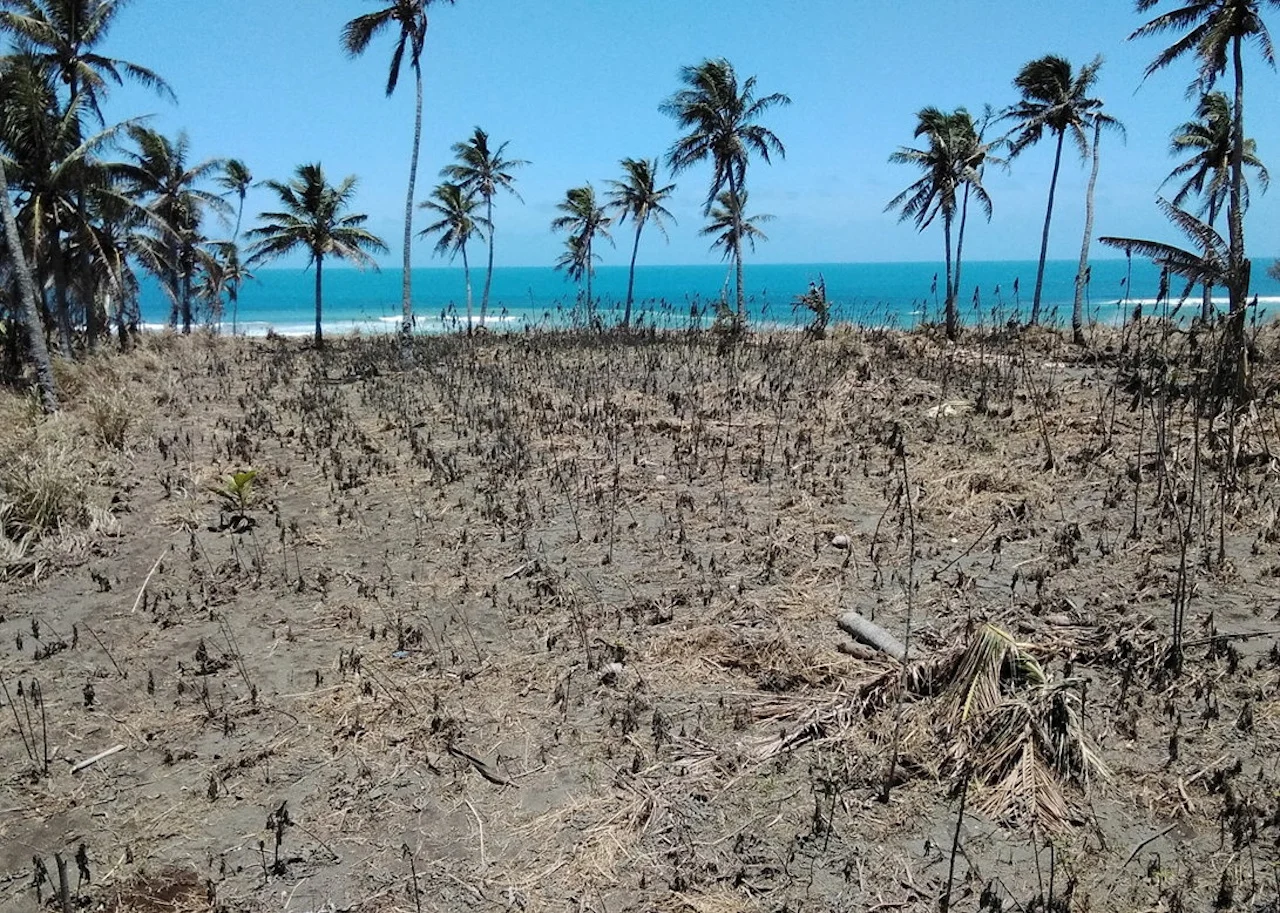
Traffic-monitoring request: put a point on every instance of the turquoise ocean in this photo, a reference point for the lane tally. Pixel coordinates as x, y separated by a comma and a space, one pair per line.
873, 294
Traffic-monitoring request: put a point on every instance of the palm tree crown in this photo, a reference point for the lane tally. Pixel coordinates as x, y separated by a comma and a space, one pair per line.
1211, 28
585, 220
1055, 100
459, 222
952, 162
1206, 172
314, 219
482, 171
63, 34
729, 225
639, 198
720, 118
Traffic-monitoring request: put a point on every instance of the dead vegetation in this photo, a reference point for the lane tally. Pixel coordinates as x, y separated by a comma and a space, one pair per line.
551, 620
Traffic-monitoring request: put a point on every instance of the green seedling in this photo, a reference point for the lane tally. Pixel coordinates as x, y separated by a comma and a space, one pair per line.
238, 495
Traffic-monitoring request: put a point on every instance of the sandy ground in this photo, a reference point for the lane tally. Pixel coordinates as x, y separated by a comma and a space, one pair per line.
549, 623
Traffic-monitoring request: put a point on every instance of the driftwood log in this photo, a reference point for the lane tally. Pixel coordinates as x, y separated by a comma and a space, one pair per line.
868, 632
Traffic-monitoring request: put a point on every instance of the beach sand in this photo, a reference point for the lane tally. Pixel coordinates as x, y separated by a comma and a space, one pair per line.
548, 622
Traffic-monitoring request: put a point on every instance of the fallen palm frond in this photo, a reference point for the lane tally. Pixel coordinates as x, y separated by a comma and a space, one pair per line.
990, 711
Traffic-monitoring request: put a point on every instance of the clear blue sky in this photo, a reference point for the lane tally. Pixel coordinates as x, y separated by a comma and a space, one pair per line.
575, 86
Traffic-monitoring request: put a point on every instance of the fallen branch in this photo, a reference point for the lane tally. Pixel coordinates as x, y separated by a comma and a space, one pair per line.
143, 589
868, 632
96, 758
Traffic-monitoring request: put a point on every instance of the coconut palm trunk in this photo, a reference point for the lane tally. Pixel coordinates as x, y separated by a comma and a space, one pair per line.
952, 318
1238, 273
29, 311
1082, 271
954, 331
319, 300
1206, 300
406, 281
737, 253
61, 304
631, 276
466, 275
488, 274
1044, 237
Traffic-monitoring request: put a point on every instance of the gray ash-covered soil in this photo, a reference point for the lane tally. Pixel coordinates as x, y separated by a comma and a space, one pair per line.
548, 622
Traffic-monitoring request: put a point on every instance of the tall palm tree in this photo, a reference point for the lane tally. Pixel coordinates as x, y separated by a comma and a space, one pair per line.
27, 309
236, 178
459, 222
576, 259
721, 119
408, 19
1100, 121
1054, 99
482, 171
314, 219
1214, 30
161, 176
63, 34
639, 198
1206, 172
585, 220
952, 162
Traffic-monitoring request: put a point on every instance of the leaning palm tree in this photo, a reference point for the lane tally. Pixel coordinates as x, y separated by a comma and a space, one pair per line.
1054, 99
408, 19
1100, 121
1212, 31
1206, 173
64, 34
459, 222
482, 171
161, 176
1210, 263
314, 219
952, 162
639, 198
721, 119
729, 226
585, 220
27, 308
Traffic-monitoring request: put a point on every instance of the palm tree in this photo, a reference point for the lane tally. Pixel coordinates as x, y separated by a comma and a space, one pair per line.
1209, 264
729, 227
639, 198
585, 220
27, 309
1100, 121
1056, 99
720, 118
481, 171
63, 35
952, 162
236, 178
409, 19
459, 222
1215, 29
314, 219
160, 175
1206, 173
576, 260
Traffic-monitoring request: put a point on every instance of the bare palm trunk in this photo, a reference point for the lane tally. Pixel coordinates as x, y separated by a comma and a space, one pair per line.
62, 307
466, 274
488, 275
964, 219
1238, 275
591, 308
1044, 238
737, 251
319, 300
1082, 271
187, 317
30, 313
1206, 300
952, 317
406, 281
631, 278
